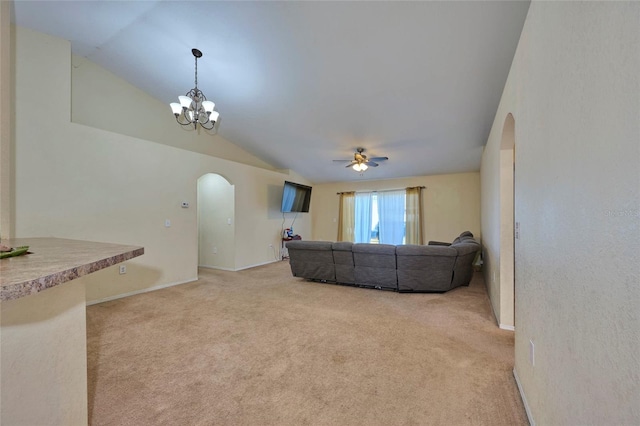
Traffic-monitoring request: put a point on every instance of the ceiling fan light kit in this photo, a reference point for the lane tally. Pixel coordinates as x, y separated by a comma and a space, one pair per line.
360, 162
194, 108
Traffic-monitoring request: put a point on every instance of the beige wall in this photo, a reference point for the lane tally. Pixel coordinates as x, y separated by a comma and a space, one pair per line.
451, 204
76, 181
573, 91
104, 101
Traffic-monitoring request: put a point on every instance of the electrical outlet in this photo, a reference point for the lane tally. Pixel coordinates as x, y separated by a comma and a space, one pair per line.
123, 269
532, 353
270, 245
215, 250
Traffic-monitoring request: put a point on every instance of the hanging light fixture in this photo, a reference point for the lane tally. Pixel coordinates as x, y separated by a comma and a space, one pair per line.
194, 108
360, 167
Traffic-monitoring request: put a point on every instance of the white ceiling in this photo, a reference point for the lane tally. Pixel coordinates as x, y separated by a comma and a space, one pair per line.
301, 83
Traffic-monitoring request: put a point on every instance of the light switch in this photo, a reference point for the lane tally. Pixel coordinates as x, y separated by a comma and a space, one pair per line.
167, 223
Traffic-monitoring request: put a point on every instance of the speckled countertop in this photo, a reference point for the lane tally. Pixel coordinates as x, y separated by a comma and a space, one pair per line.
54, 261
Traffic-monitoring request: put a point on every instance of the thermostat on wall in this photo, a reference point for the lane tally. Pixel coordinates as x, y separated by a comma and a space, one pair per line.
185, 204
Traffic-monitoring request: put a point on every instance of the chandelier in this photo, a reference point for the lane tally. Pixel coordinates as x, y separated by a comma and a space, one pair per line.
194, 108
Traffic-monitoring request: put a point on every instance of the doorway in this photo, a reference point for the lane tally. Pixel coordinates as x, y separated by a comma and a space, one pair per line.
507, 224
216, 222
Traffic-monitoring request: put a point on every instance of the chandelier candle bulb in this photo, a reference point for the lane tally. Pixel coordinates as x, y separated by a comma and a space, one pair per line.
176, 108
185, 101
208, 106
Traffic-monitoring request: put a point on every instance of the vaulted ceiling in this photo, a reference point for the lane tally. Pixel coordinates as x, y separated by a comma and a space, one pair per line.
302, 83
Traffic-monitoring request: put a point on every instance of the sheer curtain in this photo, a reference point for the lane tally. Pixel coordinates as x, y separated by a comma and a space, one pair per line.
414, 216
346, 217
391, 205
363, 218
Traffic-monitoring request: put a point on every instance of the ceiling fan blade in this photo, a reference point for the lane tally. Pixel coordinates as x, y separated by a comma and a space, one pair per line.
371, 164
378, 158
342, 161
351, 164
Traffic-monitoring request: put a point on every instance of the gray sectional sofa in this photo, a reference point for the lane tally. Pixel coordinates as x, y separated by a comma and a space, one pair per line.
436, 267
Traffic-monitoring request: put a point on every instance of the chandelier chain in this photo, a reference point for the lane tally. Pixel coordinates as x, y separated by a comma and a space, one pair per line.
196, 73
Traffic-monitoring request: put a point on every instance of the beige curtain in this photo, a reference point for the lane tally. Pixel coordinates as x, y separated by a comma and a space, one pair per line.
414, 216
347, 217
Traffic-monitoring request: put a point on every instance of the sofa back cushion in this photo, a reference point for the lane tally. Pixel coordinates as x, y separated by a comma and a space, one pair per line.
375, 265
311, 260
467, 250
343, 260
425, 268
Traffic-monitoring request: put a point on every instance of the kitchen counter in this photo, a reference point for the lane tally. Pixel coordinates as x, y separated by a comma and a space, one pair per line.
54, 261
43, 328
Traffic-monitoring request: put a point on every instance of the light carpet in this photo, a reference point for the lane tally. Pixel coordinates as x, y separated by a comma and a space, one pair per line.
260, 347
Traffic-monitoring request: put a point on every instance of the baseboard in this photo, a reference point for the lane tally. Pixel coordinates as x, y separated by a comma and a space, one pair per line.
257, 264
493, 311
495, 318
161, 286
144, 290
524, 399
216, 267
238, 269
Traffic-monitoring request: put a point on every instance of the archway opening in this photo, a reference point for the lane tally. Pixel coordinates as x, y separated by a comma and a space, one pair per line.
216, 224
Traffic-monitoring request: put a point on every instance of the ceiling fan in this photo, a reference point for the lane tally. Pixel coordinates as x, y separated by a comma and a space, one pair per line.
360, 162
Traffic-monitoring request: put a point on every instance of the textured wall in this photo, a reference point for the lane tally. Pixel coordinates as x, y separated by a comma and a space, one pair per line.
6, 124
573, 90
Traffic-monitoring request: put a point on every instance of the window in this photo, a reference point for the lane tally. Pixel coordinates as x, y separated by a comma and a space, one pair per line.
380, 217
385, 217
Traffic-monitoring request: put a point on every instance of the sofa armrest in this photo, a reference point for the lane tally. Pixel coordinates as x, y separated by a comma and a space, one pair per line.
438, 243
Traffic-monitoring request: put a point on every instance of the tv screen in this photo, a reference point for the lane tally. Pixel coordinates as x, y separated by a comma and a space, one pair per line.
295, 198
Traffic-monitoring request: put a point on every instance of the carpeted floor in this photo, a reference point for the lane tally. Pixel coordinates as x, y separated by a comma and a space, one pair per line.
259, 347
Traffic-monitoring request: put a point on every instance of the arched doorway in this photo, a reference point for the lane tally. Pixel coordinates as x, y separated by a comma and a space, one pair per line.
216, 224
507, 222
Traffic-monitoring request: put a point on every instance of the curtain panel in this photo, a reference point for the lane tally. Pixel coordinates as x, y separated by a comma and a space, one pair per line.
414, 216
347, 217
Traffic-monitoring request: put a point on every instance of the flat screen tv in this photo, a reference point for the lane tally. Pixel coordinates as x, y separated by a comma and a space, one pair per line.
295, 198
